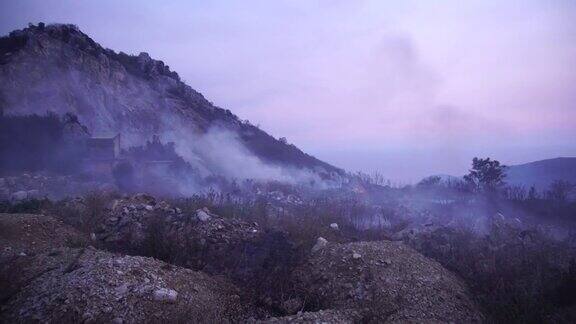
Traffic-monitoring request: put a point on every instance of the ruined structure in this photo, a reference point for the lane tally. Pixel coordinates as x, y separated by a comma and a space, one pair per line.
102, 154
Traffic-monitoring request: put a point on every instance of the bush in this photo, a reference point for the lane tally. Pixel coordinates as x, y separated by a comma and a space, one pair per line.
28, 206
85, 214
517, 276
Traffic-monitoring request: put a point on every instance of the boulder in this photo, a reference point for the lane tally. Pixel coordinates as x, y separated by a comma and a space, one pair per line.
320, 244
292, 305
19, 195
165, 295
202, 215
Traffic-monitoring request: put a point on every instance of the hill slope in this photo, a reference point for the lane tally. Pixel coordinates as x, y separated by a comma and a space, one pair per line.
60, 69
542, 173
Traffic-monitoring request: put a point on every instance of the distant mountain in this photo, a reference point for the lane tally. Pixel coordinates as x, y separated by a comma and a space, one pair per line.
58, 68
542, 173
539, 173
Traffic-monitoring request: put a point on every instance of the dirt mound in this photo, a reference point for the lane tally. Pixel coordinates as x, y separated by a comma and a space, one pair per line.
387, 282
322, 316
87, 285
27, 234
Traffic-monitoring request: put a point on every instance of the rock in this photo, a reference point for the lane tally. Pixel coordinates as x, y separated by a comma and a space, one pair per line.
292, 305
202, 215
33, 194
320, 244
334, 226
121, 290
117, 320
165, 295
356, 256
19, 195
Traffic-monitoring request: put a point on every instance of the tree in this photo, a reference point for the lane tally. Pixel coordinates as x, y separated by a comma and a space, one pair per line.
559, 191
430, 181
532, 193
486, 175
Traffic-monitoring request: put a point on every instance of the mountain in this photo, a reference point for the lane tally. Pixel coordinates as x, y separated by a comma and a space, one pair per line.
539, 174
57, 68
542, 173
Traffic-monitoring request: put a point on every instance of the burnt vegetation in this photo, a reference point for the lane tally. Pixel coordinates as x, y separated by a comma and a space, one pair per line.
516, 273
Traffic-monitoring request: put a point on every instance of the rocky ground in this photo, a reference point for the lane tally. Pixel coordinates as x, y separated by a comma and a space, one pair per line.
28, 235
45, 280
88, 285
43, 185
214, 270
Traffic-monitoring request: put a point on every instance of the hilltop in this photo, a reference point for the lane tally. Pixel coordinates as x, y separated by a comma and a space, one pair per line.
57, 68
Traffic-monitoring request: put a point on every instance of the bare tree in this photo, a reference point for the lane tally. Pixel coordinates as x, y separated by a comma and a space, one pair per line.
559, 191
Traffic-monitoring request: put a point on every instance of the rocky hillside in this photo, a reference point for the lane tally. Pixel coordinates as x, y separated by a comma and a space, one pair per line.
58, 68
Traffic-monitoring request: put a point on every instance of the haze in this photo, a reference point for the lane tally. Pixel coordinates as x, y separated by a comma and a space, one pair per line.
408, 88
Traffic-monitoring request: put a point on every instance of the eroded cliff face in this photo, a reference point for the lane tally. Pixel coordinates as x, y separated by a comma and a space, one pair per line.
57, 68
60, 69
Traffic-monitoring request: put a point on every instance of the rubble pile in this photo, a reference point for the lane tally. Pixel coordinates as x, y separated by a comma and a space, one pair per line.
387, 281
124, 228
91, 286
321, 316
200, 240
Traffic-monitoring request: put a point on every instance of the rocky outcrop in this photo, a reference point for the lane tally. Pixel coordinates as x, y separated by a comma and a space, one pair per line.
386, 282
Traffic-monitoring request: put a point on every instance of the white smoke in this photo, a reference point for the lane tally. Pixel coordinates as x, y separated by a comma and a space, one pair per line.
220, 151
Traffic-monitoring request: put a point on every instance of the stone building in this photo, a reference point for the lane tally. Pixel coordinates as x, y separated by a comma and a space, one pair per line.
102, 154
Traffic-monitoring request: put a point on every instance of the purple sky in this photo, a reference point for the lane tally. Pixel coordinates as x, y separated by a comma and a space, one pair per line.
409, 88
